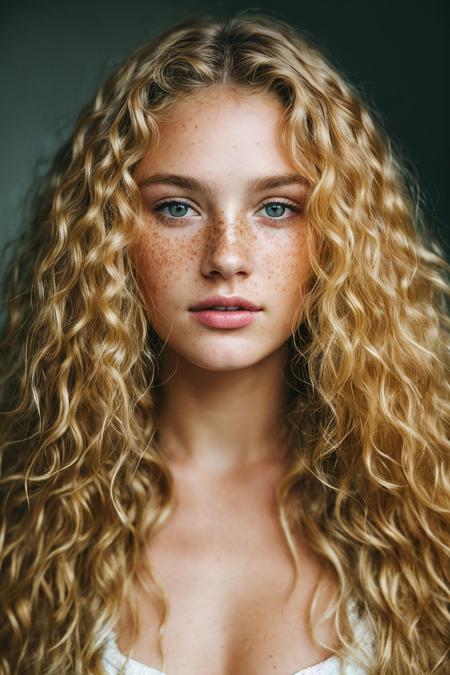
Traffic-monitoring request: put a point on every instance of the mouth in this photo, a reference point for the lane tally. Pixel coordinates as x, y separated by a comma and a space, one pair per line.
221, 317
223, 303
225, 310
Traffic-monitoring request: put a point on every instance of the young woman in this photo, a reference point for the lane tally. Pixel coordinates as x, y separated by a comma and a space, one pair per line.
224, 439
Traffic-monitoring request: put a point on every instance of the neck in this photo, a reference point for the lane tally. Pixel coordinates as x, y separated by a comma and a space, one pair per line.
221, 420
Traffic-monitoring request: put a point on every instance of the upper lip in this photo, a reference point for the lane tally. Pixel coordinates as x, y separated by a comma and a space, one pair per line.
225, 301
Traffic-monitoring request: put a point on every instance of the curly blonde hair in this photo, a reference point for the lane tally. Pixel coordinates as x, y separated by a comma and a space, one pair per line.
83, 483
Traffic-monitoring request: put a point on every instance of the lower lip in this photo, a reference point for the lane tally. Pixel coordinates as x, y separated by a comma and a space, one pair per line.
225, 319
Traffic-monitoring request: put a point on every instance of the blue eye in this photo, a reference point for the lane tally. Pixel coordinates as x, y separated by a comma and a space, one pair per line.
176, 209
279, 209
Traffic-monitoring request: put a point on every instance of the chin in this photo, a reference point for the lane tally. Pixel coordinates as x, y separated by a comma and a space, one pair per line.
223, 362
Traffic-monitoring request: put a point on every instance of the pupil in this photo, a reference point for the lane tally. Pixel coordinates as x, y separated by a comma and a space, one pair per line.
173, 208
276, 208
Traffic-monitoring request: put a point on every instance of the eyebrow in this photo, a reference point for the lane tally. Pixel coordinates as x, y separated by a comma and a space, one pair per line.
189, 183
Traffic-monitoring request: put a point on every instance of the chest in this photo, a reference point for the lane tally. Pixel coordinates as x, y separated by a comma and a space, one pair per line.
227, 572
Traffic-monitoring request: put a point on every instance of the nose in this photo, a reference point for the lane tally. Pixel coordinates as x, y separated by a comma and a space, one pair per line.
228, 249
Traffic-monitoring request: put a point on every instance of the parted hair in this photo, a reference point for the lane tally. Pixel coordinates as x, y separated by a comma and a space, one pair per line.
83, 483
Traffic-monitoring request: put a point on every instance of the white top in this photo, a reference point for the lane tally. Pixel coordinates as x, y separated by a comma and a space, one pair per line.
114, 660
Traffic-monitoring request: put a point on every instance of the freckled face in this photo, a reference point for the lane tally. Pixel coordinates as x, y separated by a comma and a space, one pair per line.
225, 234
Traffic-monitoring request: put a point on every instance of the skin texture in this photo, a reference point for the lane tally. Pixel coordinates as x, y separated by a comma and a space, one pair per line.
223, 390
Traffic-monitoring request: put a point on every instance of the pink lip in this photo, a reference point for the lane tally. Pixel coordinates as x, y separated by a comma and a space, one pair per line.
225, 318
224, 301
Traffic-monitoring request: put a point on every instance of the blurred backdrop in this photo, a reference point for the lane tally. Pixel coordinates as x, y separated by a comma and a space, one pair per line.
53, 56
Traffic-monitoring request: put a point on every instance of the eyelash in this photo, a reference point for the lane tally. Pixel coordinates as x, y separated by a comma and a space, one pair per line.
295, 208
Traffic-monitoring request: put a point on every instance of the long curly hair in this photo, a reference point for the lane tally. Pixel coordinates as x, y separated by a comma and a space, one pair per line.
83, 483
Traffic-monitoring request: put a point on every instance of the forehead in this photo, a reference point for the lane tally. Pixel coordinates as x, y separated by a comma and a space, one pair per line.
212, 99
220, 130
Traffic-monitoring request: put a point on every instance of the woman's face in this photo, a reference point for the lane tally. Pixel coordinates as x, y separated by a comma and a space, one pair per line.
212, 229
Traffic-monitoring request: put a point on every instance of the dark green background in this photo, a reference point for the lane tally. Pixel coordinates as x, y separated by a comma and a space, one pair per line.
55, 54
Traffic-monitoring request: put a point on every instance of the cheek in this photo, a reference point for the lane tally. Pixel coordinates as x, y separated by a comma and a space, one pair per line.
287, 262
161, 265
